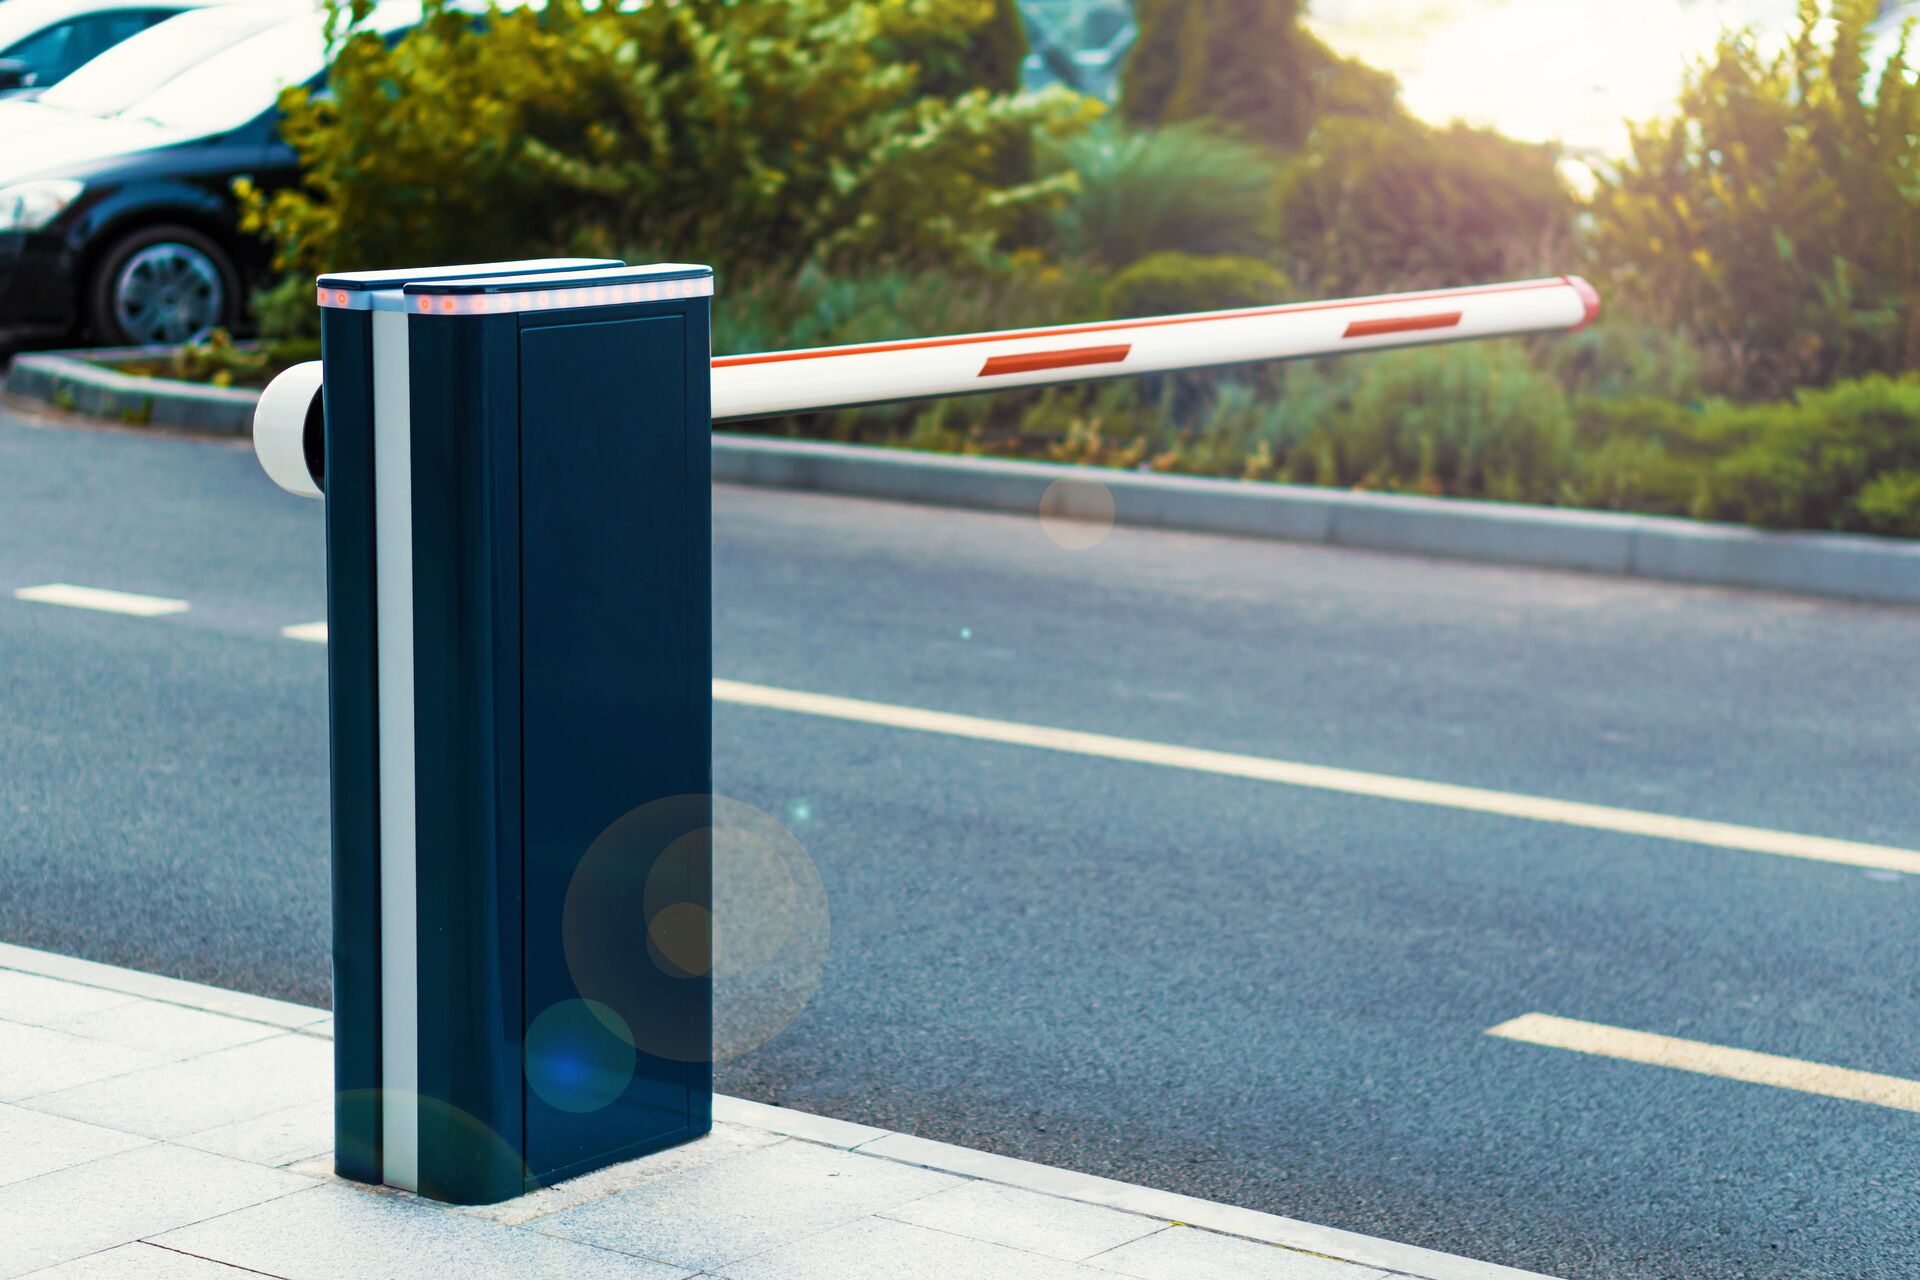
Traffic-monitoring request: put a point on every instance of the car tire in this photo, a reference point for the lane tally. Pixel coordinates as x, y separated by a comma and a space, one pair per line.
162, 285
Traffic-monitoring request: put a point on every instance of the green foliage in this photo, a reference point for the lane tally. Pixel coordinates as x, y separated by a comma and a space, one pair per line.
1167, 284
1890, 503
1479, 420
1379, 204
704, 128
956, 58
220, 362
1777, 216
1471, 421
1841, 458
774, 309
284, 309
1183, 188
1637, 453
1247, 64
1618, 358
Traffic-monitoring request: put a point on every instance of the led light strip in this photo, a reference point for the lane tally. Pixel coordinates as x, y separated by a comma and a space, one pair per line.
597, 295
500, 304
347, 299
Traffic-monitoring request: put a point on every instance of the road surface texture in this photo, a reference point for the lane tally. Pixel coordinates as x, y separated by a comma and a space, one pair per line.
1268, 994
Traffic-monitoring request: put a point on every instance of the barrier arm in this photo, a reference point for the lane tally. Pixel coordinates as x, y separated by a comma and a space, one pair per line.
288, 425
759, 386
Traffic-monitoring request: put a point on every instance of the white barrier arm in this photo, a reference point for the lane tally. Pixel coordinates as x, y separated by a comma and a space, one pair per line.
287, 426
758, 386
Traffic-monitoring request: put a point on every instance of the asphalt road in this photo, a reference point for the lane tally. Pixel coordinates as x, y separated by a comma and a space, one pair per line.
1263, 994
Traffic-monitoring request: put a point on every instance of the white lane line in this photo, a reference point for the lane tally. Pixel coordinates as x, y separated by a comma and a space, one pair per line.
65, 593
1381, 786
1712, 1060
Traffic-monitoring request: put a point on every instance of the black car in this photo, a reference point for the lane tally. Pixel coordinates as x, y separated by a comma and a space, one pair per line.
118, 221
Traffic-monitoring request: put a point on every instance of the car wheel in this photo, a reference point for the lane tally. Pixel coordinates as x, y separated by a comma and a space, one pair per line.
162, 286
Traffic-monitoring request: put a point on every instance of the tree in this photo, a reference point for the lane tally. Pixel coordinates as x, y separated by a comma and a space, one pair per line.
1396, 204
1248, 64
1777, 217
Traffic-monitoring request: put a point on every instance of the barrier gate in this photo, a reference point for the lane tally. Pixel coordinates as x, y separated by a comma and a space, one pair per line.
515, 461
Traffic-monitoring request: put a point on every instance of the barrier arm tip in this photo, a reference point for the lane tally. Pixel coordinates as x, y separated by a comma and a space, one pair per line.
1589, 297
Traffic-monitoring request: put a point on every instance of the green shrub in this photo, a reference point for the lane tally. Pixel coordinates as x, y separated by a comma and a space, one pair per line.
1839, 458
284, 309
1470, 421
1637, 453
219, 362
1174, 283
1890, 503
1181, 189
1257, 428
1774, 215
703, 129
1620, 359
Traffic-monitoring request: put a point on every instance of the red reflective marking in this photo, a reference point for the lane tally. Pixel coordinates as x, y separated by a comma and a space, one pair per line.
1035, 361
1065, 331
1406, 324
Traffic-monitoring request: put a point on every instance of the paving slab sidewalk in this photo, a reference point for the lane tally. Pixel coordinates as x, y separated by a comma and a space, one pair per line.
152, 1129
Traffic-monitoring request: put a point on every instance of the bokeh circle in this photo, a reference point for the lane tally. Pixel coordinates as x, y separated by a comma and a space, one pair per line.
636, 922
580, 1056
1077, 512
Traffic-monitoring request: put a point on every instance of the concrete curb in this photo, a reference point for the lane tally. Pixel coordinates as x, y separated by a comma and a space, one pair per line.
861, 1139
1838, 566
1846, 567
153, 986
75, 381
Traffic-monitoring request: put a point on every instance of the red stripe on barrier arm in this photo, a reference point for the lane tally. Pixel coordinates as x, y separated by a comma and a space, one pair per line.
1118, 326
1036, 361
1406, 324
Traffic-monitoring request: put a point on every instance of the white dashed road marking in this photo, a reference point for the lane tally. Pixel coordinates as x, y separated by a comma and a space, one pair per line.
1380, 786
1711, 1060
1634, 822
65, 593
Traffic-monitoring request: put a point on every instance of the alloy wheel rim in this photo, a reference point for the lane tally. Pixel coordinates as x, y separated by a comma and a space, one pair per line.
168, 293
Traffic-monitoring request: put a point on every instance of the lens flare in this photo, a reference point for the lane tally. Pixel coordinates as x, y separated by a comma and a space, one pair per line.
1077, 513
636, 923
